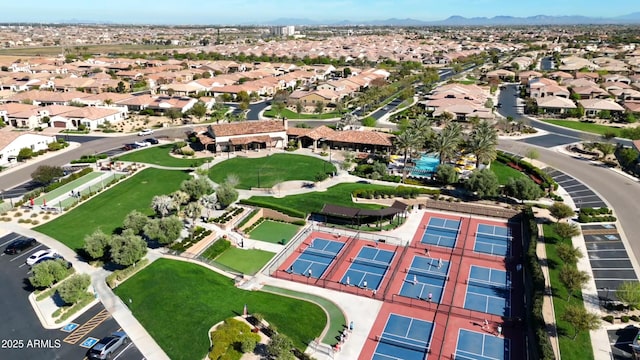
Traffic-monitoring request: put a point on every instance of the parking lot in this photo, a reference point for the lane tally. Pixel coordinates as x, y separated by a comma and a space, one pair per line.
22, 334
582, 196
621, 340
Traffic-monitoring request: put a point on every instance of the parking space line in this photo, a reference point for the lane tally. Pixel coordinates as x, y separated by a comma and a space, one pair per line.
25, 253
12, 239
123, 350
85, 328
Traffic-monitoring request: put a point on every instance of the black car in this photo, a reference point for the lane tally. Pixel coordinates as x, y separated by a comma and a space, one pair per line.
153, 141
17, 246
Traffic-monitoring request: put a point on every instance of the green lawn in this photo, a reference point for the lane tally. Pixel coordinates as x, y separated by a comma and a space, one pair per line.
584, 126
580, 348
336, 316
314, 201
245, 261
177, 302
505, 172
108, 209
294, 115
274, 232
159, 155
267, 171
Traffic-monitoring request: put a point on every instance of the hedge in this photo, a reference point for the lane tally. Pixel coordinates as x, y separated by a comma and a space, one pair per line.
547, 181
247, 218
268, 205
216, 249
400, 191
535, 277
122, 274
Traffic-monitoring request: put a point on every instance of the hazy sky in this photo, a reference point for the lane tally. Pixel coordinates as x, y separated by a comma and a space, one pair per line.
256, 11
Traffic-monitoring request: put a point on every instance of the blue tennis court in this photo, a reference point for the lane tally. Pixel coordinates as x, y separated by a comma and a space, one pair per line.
488, 291
480, 346
368, 268
404, 338
441, 232
315, 259
492, 239
425, 276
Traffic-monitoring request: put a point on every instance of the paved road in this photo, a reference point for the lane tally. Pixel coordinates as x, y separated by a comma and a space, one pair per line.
559, 135
95, 145
255, 109
618, 190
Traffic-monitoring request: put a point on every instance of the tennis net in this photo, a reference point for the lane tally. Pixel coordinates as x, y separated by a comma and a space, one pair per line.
422, 347
379, 264
443, 229
487, 284
438, 275
318, 252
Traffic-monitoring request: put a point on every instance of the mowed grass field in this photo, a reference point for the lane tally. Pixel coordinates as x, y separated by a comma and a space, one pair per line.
314, 201
107, 210
274, 232
246, 261
586, 127
200, 298
160, 155
505, 172
267, 171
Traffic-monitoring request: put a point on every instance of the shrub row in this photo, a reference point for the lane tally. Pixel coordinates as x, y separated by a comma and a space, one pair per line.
247, 218
227, 215
85, 159
217, 248
86, 299
598, 211
268, 205
582, 218
119, 275
547, 181
192, 240
400, 191
535, 277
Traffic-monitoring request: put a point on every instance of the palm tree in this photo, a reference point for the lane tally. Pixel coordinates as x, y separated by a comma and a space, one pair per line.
447, 141
422, 127
406, 142
484, 139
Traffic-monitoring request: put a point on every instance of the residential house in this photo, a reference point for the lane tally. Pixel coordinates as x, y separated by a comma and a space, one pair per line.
593, 107
11, 142
500, 74
311, 98
542, 87
90, 116
554, 104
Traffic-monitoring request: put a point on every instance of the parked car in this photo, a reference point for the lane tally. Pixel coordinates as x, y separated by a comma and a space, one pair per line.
145, 132
53, 257
39, 255
106, 347
17, 246
153, 141
141, 143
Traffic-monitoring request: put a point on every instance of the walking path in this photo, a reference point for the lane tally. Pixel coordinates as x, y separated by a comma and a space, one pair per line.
548, 312
357, 308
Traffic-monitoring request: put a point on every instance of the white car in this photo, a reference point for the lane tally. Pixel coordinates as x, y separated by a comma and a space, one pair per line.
142, 143
145, 132
39, 255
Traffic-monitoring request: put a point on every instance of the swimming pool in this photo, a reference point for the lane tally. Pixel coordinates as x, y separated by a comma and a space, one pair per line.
426, 165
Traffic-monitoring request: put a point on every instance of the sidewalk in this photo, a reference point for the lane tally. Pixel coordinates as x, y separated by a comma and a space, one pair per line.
112, 303
548, 312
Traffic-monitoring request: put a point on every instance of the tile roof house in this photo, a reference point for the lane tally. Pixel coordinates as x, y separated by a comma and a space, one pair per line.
11, 142
555, 104
90, 116
246, 135
593, 107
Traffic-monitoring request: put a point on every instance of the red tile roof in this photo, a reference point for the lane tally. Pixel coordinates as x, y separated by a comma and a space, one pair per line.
247, 128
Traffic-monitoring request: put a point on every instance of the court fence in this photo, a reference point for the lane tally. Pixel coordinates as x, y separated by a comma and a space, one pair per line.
291, 246
361, 235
